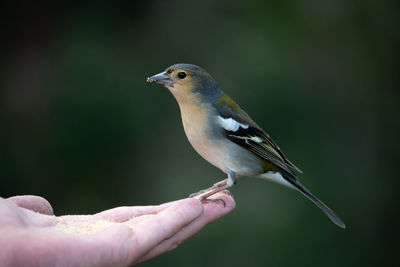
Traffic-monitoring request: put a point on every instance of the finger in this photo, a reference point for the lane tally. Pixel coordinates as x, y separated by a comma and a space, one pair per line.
212, 211
122, 214
34, 203
149, 233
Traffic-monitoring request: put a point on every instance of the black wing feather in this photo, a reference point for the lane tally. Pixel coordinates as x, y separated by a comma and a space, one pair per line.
267, 149
250, 139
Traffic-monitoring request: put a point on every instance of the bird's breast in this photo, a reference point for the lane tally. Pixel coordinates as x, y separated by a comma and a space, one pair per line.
213, 147
196, 126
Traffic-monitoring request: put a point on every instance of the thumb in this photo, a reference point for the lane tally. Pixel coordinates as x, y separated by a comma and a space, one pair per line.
34, 203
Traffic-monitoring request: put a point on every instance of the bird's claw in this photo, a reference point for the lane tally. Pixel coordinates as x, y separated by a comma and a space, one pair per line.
215, 200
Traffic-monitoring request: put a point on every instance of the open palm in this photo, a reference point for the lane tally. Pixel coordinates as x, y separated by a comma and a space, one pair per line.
32, 235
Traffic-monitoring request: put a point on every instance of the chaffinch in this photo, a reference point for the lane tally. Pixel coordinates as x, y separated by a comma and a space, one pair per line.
223, 134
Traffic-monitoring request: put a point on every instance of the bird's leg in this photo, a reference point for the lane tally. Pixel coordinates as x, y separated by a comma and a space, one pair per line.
222, 185
225, 184
216, 185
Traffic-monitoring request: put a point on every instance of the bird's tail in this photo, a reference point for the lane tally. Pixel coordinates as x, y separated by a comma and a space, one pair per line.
302, 189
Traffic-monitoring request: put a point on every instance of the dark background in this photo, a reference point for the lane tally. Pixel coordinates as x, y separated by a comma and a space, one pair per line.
82, 128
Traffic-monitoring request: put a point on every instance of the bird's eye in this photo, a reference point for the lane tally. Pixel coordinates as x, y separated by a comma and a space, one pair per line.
181, 75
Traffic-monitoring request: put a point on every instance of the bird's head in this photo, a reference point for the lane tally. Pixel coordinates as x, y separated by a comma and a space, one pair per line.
187, 81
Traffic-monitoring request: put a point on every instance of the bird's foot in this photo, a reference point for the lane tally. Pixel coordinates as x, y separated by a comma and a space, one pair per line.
204, 195
216, 186
192, 195
214, 200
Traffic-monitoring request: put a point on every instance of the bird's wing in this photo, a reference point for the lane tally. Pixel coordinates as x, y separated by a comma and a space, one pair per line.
242, 130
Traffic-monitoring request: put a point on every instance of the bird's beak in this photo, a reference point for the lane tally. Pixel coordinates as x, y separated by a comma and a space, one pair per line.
161, 78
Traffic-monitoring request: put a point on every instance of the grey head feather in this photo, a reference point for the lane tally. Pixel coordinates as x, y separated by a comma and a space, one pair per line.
208, 88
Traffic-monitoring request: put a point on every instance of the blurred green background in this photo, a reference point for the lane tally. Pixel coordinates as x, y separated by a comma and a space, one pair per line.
82, 128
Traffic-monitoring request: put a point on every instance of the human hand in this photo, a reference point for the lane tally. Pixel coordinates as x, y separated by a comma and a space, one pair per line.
31, 235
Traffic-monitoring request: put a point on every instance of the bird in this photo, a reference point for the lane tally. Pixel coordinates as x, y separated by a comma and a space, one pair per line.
226, 136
